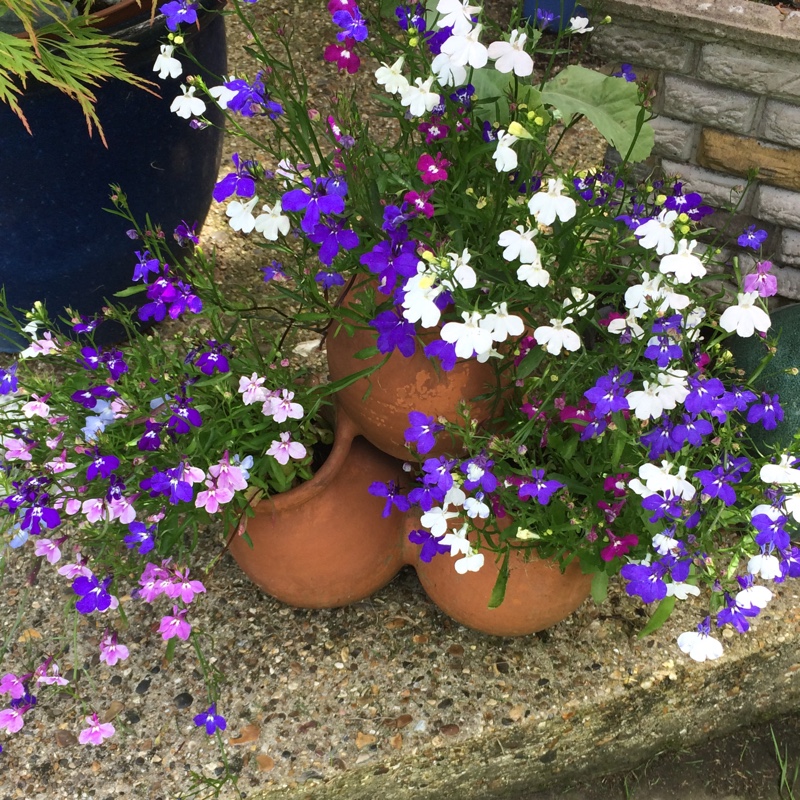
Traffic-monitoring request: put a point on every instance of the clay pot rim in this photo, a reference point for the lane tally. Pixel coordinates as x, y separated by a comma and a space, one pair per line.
344, 435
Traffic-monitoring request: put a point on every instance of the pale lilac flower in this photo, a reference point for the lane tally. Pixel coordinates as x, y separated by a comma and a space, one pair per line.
283, 408
54, 678
111, 651
285, 449
48, 548
252, 389
213, 497
229, 476
97, 731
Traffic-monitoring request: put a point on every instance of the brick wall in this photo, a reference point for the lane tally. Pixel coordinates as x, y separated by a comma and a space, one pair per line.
727, 76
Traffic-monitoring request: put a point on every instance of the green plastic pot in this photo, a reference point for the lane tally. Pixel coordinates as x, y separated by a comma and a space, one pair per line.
780, 376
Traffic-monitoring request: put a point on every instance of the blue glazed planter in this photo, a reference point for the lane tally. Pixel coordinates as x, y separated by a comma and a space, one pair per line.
781, 376
562, 9
58, 243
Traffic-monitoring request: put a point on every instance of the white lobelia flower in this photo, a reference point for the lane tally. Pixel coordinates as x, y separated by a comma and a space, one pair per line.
683, 264
579, 303
764, 565
421, 291
456, 13
700, 646
472, 562
547, 205
646, 403
476, 508
457, 541
620, 325
661, 479
783, 473
534, 274
501, 324
754, 596
518, 244
579, 25
463, 274
510, 56
435, 520
556, 337
447, 72
466, 49
419, 98
272, 222
673, 387
672, 300
505, 159
187, 105
391, 78
166, 65
639, 297
792, 504
241, 214
468, 336
745, 317
682, 590
657, 233
222, 94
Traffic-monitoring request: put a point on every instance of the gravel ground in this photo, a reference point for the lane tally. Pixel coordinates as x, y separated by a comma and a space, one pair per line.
309, 694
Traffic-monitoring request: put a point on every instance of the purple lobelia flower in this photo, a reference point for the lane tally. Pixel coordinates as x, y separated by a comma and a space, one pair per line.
147, 264
392, 494
431, 546
141, 537
422, 431
752, 238
444, 351
353, 25
179, 11
102, 466
540, 489
240, 183
332, 236
210, 720
92, 593
645, 581
314, 200
768, 412
394, 332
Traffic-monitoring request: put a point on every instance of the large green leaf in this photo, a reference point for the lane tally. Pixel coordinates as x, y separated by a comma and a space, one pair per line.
611, 104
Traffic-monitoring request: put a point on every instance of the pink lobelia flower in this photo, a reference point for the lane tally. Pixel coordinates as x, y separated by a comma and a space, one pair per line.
110, 651
11, 719
343, 56
97, 731
432, 169
49, 549
175, 625
619, 546
11, 684
184, 588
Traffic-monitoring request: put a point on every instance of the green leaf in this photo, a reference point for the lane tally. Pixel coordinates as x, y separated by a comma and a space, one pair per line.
530, 362
170, 654
660, 616
499, 591
367, 352
600, 587
491, 89
612, 105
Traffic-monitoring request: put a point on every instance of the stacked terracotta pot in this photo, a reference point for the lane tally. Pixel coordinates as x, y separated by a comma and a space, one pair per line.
326, 543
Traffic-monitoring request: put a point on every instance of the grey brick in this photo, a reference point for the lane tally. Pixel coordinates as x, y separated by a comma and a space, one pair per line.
777, 205
781, 123
765, 72
674, 139
789, 252
696, 101
645, 46
717, 189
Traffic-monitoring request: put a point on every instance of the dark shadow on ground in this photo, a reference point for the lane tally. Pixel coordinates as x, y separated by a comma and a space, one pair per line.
742, 766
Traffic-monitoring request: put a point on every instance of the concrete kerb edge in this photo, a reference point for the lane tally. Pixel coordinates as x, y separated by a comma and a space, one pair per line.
755, 686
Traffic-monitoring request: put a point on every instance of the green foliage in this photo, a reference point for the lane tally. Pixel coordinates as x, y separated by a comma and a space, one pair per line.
611, 104
71, 55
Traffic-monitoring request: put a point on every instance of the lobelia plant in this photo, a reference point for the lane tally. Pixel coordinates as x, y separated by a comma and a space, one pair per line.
115, 460
623, 439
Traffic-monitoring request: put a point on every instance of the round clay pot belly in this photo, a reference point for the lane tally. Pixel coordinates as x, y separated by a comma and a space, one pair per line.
379, 404
538, 594
325, 544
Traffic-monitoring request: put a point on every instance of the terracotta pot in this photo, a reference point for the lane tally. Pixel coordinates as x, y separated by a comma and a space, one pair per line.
379, 404
538, 594
325, 543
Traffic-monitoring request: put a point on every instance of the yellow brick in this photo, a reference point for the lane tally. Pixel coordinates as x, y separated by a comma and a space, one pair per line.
727, 152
